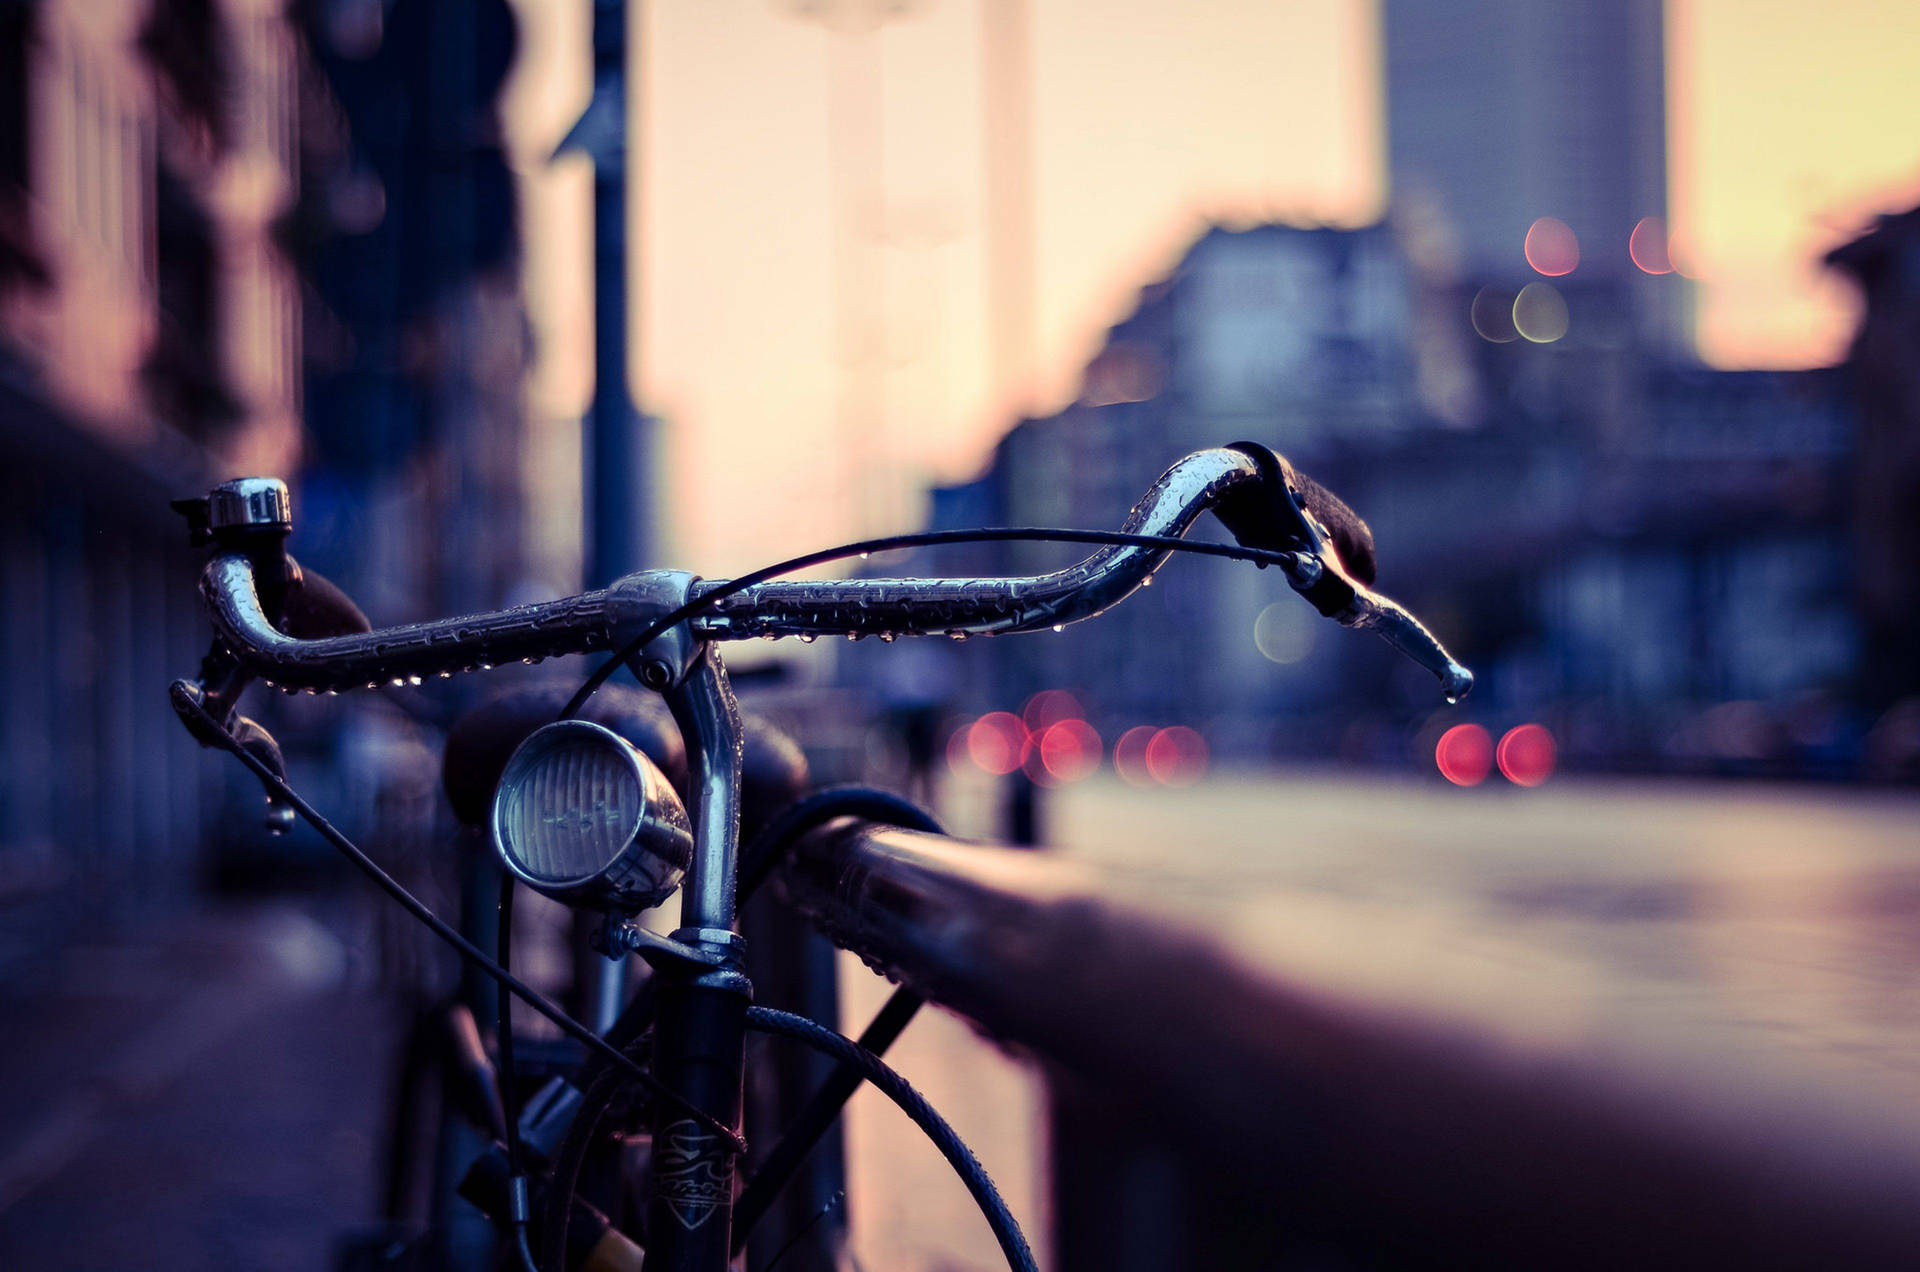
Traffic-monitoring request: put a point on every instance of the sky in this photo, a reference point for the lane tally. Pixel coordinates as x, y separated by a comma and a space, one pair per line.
1787, 127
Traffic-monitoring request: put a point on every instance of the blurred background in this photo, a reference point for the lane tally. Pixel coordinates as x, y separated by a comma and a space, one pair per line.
1605, 313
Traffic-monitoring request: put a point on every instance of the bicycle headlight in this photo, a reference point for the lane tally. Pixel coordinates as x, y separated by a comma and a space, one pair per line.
584, 817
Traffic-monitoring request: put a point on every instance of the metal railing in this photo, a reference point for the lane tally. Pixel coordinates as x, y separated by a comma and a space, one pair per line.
1212, 1110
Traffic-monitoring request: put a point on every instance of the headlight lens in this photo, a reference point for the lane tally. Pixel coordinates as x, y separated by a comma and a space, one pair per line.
583, 816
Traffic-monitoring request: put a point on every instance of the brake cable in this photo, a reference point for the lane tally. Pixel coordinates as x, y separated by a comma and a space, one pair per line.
1262, 557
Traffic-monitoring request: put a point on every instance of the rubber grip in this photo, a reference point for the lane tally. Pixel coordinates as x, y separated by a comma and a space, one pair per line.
316, 608
1351, 536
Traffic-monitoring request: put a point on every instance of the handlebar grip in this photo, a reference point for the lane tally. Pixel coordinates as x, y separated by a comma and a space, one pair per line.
316, 608
1351, 536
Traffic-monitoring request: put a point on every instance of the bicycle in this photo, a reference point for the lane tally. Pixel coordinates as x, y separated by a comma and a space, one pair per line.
581, 814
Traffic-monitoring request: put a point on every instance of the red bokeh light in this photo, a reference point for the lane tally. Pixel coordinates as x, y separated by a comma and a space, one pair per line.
1526, 754
1049, 707
1130, 755
998, 742
1464, 755
1176, 756
1069, 750
1647, 245
1551, 247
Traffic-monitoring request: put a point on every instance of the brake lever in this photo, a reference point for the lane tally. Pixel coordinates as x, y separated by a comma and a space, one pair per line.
1410, 636
191, 702
1319, 574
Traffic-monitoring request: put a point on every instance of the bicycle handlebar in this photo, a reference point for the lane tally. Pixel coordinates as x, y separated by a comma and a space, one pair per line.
1254, 492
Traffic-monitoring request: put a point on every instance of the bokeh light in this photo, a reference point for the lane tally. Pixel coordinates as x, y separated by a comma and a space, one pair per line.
1552, 248
1647, 245
998, 742
1049, 706
1069, 750
1177, 756
1130, 755
1492, 315
1283, 632
1464, 755
1540, 313
1526, 755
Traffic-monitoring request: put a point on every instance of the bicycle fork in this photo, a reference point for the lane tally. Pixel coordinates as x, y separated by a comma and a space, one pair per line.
699, 1032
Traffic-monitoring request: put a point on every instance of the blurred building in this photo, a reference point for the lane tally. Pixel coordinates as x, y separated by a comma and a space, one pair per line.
1618, 540
236, 236
149, 344
417, 344
1504, 112
1653, 556
1885, 262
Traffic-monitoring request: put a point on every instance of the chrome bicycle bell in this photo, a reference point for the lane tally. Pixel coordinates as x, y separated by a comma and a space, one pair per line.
582, 816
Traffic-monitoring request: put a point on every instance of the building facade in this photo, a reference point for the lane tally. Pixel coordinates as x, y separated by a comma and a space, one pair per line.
1620, 541
1503, 112
222, 253
149, 345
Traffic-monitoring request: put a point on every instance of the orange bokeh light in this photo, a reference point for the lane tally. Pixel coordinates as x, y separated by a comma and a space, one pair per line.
1176, 756
1526, 754
1551, 247
1464, 755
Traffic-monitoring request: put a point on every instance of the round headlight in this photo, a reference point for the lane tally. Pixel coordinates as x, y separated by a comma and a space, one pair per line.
584, 817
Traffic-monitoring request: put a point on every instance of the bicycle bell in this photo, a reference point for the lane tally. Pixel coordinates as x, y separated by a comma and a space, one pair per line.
582, 816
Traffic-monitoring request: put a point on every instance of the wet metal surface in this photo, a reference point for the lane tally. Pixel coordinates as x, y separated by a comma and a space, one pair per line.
1597, 1021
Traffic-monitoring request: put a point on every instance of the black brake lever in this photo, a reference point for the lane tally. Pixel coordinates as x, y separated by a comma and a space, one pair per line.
1275, 515
190, 702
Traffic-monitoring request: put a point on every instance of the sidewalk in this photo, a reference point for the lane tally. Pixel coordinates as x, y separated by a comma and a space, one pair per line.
207, 1093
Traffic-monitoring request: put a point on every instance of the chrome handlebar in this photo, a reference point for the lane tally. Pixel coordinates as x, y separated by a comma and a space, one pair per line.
886, 608
395, 655
985, 607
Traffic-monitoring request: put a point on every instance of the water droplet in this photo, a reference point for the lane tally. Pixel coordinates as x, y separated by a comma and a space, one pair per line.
1059, 627
446, 675
865, 555
889, 637
1452, 698
769, 635
855, 635
397, 682
1147, 582
413, 680
486, 666
957, 634
807, 638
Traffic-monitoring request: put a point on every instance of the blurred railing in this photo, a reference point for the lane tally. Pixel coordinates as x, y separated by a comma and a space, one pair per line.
1214, 1110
